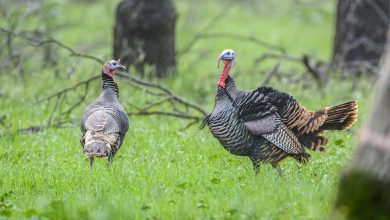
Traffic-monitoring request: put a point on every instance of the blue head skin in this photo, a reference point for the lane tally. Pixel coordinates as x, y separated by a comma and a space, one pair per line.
227, 55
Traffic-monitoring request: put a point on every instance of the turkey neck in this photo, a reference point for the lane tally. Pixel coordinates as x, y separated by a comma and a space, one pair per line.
225, 73
110, 88
227, 94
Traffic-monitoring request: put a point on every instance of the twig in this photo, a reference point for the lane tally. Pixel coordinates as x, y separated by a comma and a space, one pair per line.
271, 73
163, 89
233, 36
208, 26
317, 75
146, 90
81, 99
223, 13
68, 89
275, 56
155, 103
50, 40
32, 129
190, 124
315, 70
171, 114
58, 101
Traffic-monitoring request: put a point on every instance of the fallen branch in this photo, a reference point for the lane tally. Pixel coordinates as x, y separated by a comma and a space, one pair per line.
68, 89
32, 129
318, 73
162, 88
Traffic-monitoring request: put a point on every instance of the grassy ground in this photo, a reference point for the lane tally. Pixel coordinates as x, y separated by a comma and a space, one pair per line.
160, 172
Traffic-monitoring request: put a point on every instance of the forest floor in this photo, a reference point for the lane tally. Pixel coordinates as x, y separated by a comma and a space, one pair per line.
162, 172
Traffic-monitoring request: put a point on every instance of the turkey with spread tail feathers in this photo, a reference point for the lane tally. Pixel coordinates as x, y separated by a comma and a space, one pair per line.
268, 125
104, 123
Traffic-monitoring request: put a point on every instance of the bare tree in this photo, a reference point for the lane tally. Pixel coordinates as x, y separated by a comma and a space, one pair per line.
360, 34
364, 191
144, 34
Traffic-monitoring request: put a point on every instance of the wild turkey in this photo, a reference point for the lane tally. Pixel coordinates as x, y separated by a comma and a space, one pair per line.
268, 125
104, 123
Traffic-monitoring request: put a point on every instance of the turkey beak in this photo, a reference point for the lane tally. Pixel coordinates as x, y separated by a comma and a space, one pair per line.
121, 67
219, 60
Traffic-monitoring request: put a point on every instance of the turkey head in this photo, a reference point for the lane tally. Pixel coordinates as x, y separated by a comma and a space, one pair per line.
228, 57
112, 66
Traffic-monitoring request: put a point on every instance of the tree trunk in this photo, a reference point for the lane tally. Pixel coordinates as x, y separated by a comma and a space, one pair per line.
364, 191
144, 34
360, 36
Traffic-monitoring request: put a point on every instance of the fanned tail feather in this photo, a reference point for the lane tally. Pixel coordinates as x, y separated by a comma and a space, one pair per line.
313, 141
96, 149
341, 116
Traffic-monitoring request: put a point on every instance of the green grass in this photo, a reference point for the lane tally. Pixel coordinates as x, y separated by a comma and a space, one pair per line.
160, 172
164, 174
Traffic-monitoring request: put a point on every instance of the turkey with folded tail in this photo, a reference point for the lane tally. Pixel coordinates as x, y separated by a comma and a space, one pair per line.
268, 125
104, 123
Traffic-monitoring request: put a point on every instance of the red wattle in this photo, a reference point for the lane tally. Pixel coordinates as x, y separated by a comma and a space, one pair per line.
224, 73
108, 71
112, 73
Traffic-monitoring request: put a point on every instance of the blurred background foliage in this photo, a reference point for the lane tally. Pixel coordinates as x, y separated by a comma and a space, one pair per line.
162, 172
299, 27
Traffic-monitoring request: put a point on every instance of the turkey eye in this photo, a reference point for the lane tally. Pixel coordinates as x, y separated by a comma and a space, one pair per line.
114, 63
228, 53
